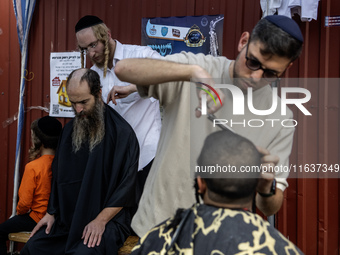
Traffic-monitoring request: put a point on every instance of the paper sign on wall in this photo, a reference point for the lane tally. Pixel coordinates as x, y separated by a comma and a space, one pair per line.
61, 65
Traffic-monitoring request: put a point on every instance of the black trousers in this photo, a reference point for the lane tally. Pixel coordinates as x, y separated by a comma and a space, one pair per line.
15, 224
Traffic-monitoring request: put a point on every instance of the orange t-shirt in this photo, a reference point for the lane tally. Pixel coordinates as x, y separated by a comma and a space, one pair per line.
35, 187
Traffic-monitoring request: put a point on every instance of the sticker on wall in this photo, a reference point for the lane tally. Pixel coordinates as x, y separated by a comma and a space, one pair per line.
332, 21
197, 34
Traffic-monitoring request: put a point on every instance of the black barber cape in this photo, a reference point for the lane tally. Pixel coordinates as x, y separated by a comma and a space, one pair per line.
85, 183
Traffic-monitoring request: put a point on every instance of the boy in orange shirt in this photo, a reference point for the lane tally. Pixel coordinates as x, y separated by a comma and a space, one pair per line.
35, 185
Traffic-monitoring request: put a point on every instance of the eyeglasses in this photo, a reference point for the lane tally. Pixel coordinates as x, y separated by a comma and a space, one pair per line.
90, 47
255, 65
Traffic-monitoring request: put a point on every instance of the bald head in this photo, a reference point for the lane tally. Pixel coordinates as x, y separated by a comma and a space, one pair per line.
228, 148
225, 148
82, 75
75, 77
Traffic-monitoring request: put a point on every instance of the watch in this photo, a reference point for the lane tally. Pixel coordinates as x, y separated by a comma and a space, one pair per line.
272, 190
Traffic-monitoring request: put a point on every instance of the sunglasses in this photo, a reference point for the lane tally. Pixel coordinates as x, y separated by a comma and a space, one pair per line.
254, 65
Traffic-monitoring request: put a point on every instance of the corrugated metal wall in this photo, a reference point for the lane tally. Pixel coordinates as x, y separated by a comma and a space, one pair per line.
9, 90
310, 214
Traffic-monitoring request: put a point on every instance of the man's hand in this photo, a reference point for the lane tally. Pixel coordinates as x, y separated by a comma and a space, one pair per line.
47, 220
268, 161
118, 92
211, 107
203, 80
268, 205
93, 233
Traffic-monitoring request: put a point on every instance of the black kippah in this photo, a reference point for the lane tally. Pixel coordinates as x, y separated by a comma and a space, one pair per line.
87, 21
49, 126
47, 129
286, 24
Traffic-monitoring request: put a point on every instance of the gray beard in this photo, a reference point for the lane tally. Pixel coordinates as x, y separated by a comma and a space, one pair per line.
90, 128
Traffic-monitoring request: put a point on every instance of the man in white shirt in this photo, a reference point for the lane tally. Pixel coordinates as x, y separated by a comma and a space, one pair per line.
94, 39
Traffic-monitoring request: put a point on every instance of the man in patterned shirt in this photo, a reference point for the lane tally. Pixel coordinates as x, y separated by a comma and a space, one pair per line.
224, 224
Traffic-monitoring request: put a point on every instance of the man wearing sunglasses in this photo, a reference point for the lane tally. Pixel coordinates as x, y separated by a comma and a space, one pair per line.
264, 55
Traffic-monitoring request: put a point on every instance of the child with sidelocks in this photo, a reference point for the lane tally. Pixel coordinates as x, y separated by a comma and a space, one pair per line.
35, 187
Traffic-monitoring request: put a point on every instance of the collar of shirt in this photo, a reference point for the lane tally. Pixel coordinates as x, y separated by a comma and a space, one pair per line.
118, 53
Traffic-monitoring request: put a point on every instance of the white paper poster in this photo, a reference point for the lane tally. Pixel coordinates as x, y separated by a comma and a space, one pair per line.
61, 65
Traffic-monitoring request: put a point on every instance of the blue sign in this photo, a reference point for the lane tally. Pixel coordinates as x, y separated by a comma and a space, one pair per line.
164, 31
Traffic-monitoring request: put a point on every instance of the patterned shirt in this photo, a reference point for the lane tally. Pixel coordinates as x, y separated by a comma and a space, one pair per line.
205, 229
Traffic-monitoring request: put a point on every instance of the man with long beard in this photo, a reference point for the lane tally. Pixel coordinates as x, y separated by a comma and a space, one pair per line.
94, 39
94, 173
